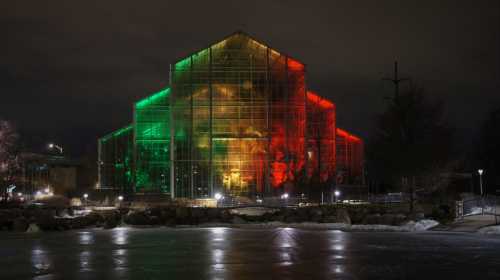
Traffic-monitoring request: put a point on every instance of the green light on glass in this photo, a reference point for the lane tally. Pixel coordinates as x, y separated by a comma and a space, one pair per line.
155, 99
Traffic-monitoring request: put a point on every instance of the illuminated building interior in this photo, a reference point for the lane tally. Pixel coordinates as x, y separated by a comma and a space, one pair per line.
236, 118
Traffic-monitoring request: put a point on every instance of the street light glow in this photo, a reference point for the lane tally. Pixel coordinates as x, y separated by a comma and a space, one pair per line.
218, 196
54, 146
337, 193
284, 196
85, 195
120, 198
480, 171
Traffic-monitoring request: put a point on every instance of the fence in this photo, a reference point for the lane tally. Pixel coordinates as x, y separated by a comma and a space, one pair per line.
487, 205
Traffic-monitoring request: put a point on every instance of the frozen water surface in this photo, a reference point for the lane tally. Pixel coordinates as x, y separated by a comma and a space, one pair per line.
224, 253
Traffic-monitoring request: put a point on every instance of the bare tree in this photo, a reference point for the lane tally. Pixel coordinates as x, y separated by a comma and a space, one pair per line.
9, 161
411, 141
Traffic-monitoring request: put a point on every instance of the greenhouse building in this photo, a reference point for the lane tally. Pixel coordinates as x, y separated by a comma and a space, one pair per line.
237, 118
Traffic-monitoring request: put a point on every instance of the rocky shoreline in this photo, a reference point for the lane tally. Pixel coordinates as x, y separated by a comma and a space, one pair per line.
328, 217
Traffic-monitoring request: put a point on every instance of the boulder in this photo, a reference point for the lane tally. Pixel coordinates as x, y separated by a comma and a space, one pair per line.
33, 228
137, 218
45, 220
301, 214
213, 214
225, 216
62, 212
392, 219
329, 219
343, 217
20, 224
315, 215
183, 216
112, 220
238, 220
372, 219
198, 215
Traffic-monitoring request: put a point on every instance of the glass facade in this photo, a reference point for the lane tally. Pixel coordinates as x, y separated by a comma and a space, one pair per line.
115, 163
350, 158
236, 119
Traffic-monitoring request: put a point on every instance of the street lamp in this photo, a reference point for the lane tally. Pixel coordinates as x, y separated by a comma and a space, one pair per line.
54, 146
120, 197
85, 196
218, 197
480, 172
337, 194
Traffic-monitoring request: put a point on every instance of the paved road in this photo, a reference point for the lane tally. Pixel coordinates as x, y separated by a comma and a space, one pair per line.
221, 253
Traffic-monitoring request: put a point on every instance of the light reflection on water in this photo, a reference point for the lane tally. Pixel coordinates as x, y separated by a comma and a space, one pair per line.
282, 246
217, 245
86, 237
120, 236
40, 260
224, 253
85, 261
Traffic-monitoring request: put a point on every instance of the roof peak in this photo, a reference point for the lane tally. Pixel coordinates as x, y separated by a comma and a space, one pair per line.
238, 32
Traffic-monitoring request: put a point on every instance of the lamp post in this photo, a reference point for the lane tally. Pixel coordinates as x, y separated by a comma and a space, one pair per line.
218, 197
54, 146
85, 196
480, 172
337, 194
285, 198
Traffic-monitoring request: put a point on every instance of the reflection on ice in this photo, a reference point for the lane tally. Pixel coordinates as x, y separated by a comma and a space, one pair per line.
285, 238
217, 255
86, 238
222, 253
85, 261
120, 258
338, 269
40, 259
218, 234
120, 236
338, 247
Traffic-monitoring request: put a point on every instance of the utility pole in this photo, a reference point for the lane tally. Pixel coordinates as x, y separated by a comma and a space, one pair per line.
402, 119
396, 80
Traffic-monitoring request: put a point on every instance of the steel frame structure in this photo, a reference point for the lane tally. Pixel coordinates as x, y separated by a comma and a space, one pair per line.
237, 118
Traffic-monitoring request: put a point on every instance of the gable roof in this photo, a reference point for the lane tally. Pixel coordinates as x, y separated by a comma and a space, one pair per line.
238, 33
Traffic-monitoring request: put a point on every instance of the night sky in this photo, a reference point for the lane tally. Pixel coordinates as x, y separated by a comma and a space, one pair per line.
70, 70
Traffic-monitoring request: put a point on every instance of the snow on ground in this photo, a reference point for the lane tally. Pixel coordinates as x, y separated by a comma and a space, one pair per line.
489, 230
475, 210
252, 211
421, 225
411, 226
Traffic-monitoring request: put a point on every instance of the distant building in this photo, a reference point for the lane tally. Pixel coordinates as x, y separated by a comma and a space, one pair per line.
47, 173
237, 118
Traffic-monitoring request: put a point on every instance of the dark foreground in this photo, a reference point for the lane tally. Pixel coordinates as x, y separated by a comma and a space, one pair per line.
222, 253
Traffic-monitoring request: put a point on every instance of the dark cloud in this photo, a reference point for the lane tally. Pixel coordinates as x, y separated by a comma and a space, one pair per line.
70, 70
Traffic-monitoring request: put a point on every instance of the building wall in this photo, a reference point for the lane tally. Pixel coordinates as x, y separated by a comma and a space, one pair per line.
350, 158
321, 131
115, 160
238, 109
237, 118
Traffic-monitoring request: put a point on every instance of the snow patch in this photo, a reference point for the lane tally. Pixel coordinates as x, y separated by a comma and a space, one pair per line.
411, 226
252, 211
421, 225
489, 230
